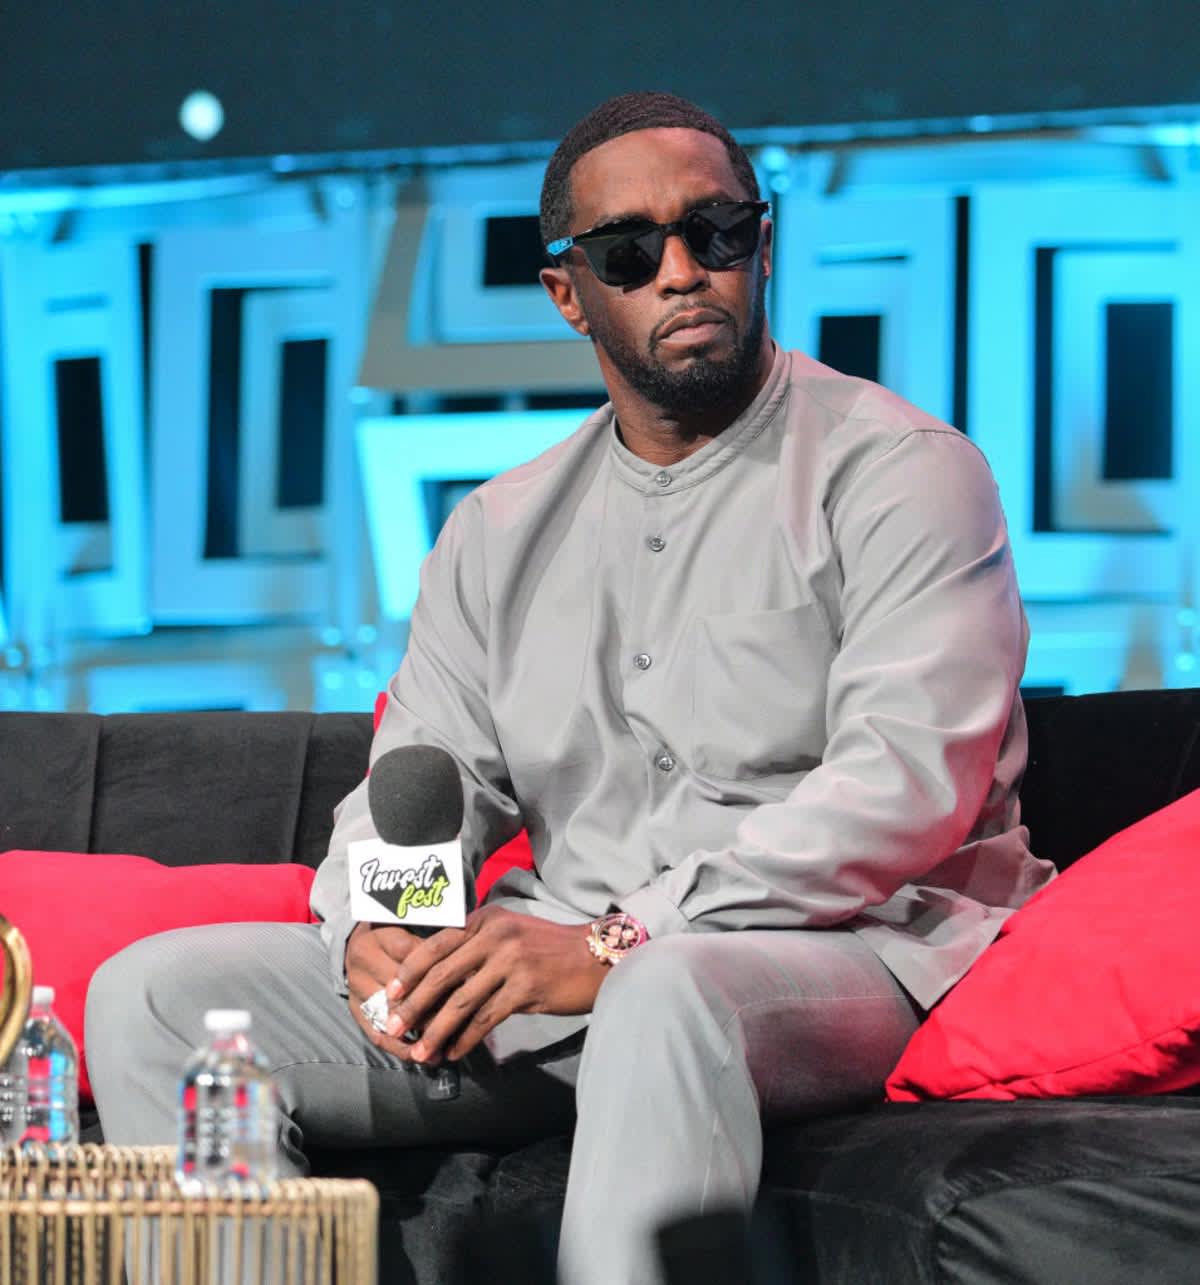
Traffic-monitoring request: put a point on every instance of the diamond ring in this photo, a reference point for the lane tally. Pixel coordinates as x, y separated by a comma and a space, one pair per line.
375, 1009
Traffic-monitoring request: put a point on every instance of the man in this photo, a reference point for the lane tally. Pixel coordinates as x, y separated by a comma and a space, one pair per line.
742, 655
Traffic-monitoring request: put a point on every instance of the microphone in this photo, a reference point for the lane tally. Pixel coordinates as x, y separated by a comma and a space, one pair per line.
412, 875
415, 796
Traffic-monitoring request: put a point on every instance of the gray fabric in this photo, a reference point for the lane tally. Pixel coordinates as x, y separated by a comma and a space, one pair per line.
695, 1043
336, 1089
695, 1040
835, 641
145, 1015
771, 687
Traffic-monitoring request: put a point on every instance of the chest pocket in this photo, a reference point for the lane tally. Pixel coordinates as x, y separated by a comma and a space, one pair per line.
758, 697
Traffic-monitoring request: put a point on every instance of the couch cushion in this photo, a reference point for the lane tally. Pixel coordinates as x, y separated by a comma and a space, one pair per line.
47, 779
1092, 987
77, 909
1079, 1192
1098, 763
335, 762
236, 780
183, 788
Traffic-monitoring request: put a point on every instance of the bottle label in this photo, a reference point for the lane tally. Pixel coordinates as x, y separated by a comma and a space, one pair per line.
50, 1099
228, 1129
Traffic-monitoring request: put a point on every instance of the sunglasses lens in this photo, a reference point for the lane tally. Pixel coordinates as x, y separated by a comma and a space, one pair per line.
718, 235
722, 235
626, 258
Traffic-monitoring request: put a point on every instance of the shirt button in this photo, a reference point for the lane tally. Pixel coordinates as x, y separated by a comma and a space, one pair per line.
657, 543
664, 760
642, 661
663, 478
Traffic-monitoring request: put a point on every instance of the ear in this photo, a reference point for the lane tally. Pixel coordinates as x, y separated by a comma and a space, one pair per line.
766, 247
559, 284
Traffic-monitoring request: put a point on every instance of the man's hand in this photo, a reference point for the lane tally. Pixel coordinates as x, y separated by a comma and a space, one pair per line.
455, 986
373, 953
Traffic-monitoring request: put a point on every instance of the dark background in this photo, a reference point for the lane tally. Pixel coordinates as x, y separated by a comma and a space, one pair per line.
100, 83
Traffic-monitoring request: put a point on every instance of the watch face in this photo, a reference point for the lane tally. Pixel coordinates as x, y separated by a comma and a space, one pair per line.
614, 936
617, 935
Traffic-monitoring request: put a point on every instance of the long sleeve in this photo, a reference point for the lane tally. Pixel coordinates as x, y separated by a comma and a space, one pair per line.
920, 695
438, 697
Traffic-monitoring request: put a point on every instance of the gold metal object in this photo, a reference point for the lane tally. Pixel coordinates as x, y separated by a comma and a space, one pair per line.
92, 1215
612, 937
18, 985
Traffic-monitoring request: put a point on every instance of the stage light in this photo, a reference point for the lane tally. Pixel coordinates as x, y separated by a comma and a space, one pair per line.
201, 115
774, 158
776, 164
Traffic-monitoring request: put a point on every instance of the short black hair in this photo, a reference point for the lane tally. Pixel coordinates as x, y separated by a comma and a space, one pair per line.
646, 109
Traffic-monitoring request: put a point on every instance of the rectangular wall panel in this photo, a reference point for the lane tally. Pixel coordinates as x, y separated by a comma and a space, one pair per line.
327, 258
1111, 242
887, 257
72, 332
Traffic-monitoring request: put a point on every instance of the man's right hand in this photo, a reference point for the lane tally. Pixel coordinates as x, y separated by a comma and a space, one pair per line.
373, 952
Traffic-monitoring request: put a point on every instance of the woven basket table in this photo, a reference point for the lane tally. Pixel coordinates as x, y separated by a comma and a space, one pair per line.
95, 1215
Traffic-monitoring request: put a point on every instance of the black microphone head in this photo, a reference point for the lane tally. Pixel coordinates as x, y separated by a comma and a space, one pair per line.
415, 796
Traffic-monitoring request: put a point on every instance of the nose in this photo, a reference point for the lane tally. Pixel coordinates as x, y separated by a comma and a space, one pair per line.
678, 273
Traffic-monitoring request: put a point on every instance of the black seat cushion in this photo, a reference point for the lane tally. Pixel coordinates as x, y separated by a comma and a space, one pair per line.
1040, 1192
1099, 763
1073, 1192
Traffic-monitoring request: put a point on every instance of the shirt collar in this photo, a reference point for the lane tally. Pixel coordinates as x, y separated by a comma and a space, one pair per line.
655, 479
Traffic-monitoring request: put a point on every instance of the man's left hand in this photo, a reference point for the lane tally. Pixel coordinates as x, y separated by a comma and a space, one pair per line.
460, 983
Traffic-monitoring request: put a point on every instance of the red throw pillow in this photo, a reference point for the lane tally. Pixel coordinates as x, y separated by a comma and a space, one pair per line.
76, 909
515, 853
1092, 987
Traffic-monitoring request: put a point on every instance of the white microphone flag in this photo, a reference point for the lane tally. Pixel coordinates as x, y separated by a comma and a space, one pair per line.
419, 887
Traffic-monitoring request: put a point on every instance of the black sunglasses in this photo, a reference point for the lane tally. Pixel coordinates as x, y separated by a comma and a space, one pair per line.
628, 253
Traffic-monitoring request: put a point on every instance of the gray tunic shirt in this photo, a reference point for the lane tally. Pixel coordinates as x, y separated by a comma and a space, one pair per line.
771, 686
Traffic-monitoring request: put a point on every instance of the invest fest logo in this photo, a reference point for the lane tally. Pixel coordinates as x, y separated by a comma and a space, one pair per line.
422, 887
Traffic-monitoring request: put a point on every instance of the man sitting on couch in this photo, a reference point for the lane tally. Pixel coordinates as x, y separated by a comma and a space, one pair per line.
742, 655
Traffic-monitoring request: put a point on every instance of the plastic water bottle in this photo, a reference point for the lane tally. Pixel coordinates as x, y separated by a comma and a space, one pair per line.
12, 1100
228, 1113
41, 1093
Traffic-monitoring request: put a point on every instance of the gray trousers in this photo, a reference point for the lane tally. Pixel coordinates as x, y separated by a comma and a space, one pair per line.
695, 1041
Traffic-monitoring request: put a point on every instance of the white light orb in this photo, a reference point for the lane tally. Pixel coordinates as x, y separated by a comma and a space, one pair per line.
201, 115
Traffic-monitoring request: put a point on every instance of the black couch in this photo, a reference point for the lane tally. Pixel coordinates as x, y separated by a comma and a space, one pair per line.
1047, 1192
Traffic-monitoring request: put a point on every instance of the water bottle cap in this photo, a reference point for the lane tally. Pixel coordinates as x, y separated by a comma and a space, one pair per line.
226, 1019
43, 995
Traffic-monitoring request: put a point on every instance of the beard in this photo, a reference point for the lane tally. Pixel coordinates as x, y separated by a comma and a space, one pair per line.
706, 383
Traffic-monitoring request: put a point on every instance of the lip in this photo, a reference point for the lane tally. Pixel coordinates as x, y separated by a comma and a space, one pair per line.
700, 323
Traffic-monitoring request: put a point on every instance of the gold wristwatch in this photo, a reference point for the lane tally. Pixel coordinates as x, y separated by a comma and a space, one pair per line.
612, 937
